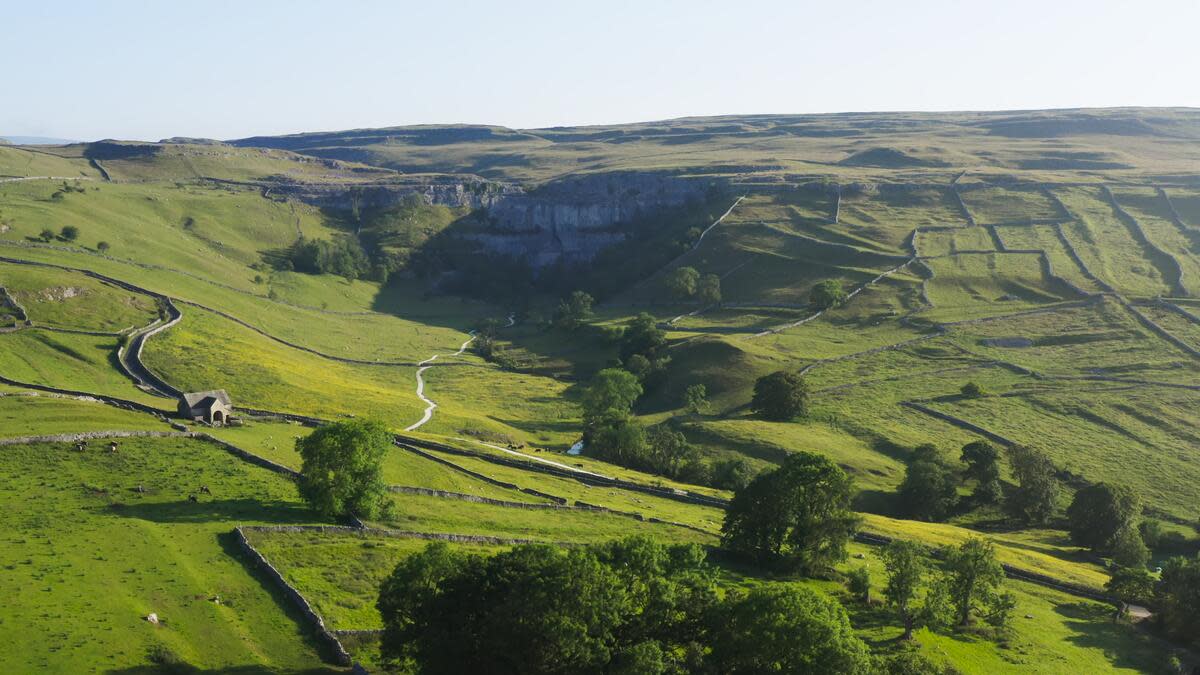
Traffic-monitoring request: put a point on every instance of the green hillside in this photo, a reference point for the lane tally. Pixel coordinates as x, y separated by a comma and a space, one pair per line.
1050, 259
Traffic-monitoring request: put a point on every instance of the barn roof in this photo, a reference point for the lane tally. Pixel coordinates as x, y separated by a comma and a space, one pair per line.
201, 397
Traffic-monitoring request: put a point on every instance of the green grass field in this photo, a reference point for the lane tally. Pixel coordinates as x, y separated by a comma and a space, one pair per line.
87, 559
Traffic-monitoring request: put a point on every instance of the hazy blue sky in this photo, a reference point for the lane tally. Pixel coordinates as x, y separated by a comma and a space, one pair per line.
147, 70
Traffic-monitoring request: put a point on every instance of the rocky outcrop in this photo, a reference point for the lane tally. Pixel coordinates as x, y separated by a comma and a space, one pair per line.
570, 219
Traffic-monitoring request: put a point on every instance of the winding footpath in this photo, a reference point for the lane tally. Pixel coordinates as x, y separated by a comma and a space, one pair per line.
428, 363
422, 367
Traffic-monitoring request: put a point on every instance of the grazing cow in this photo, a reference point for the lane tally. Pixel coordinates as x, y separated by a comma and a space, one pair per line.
193, 498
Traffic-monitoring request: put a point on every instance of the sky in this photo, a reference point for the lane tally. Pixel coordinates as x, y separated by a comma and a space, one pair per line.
150, 70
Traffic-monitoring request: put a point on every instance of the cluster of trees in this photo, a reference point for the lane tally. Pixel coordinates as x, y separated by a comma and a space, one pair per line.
342, 256
628, 606
930, 487
612, 433
795, 518
686, 284
67, 233
342, 470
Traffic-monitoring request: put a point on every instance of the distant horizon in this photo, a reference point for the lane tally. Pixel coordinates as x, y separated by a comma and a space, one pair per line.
16, 139
225, 70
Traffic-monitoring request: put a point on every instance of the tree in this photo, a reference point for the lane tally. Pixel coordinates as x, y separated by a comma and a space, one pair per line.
414, 584
46, 235
695, 399
681, 282
642, 336
786, 629
102, 246
629, 606
983, 465
904, 565
342, 473
972, 390
1178, 597
1036, 496
1127, 547
573, 311
928, 490
620, 440
858, 582
974, 576
827, 294
780, 396
708, 292
1132, 584
610, 395
731, 474
669, 450
1099, 512
796, 517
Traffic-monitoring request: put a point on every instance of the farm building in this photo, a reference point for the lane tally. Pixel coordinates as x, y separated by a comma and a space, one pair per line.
206, 406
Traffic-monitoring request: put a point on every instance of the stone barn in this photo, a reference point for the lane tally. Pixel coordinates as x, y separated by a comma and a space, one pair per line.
206, 406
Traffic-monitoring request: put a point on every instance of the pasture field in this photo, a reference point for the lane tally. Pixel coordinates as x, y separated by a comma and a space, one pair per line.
1107, 246
87, 558
25, 413
63, 299
70, 361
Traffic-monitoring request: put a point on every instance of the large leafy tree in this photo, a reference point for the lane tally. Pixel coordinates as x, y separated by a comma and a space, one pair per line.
780, 396
610, 395
1178, 597
708, 291
796, 517
929, 490
974, 577
905, 566
681, 282
1036, 496
643, 337
1100, 512
342, 473
983, 466
786, 629
573, 310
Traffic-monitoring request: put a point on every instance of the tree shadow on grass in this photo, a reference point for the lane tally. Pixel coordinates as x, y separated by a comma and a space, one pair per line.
218, 511
1122, 644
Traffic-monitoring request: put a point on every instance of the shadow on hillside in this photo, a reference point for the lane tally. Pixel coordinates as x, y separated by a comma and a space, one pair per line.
208, 510
1122, 645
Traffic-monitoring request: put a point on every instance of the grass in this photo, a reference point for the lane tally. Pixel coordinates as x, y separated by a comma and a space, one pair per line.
434, 514
1106, 245
276, 442
70, 361
69, 300
971, 286
1003, 205
86, 558
32, 414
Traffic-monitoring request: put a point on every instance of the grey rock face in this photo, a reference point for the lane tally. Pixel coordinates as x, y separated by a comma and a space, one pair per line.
571, 220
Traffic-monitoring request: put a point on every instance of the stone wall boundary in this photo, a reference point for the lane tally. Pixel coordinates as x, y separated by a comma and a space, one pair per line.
260, 561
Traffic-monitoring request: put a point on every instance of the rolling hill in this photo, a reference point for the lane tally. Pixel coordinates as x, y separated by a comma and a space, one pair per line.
1050, 257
